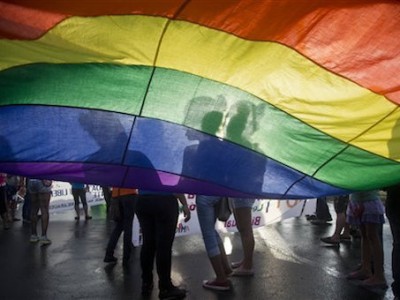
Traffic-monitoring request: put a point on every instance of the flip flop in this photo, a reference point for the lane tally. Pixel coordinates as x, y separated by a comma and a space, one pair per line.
243, 273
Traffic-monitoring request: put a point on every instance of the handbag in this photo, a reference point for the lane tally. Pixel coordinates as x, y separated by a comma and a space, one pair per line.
223, 209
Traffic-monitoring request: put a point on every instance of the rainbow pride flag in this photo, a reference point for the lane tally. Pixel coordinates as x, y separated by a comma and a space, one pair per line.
247, 98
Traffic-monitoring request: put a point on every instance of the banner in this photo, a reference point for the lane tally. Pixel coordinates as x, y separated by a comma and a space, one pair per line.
62, 199
264, 212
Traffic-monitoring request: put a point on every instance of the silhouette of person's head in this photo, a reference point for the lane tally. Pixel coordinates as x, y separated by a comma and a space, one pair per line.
211, 122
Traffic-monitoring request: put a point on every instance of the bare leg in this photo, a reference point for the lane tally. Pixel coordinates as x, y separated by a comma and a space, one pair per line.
218, 266
364, 271
243, 222
224, 259
376, 251
34, 212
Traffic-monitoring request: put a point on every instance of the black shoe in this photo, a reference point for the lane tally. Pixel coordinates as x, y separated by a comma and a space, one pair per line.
172, 293
110, 259
147, 288
311, 217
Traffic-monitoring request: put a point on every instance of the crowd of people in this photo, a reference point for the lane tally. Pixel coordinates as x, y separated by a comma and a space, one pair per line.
157, 213
363, 213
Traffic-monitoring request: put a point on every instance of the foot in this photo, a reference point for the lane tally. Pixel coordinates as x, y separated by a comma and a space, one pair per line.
330, 240
34, 238
172, 293
77, 218
241, 272
358, 275
88, 217
44, 240
217, 286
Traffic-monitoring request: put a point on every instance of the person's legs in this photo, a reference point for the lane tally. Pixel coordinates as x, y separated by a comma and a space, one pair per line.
212, 240
82, 195
393, 213
107, 197
375, 247
166, 221
112, 242
34, 215
365, 252
26, 208
11, 191
3, 207
365, 270
322, 210
243, 223
75, 195
44, 200
146, 216
128, 204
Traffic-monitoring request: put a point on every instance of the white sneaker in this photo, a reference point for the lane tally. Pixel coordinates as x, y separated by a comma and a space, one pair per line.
44, 240
34, 238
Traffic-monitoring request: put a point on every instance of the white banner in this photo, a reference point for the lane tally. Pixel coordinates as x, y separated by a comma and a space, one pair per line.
62, 199
265, 212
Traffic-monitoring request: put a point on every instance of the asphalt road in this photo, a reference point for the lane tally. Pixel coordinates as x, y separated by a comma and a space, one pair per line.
290, 263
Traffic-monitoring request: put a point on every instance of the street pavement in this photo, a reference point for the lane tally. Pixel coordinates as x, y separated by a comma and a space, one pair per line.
290, 263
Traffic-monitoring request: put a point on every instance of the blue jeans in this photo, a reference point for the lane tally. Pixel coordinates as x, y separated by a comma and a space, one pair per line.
207, 218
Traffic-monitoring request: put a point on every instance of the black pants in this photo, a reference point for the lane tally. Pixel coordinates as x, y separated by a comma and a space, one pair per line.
127, 207
322, 209
3, 199
393, 214
158, 217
